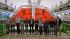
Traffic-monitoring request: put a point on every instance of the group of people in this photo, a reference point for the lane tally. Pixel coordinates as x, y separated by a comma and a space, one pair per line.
39, 26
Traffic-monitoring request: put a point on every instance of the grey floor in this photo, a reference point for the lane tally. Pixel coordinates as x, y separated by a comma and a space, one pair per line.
28, 36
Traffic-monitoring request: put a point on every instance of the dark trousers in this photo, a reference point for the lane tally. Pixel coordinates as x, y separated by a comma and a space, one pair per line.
40, 30
55, 30
18, 28
31, 30
22, 29
26, 27
7, 29
46, 30
36, 27
51, 28
12, 28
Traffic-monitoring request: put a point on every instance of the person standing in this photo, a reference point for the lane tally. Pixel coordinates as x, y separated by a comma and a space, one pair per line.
46, 28
57, 26
18, 25
59, 23
12, 27
55, 23
7, 28
22, 26
36, 27
31, 24
26, 26
40, 26
7, 22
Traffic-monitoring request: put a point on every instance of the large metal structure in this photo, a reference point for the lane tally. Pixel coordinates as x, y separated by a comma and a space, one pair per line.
34, 11
6, 7
34, 4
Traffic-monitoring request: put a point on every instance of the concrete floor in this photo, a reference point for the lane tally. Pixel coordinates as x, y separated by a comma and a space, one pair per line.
28, 36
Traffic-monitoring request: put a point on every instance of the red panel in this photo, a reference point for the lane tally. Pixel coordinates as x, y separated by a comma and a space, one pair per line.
38, 13
28, 14
38, 10
19, 14
43, 19
24, 13
48, 16
27, 10
45, 15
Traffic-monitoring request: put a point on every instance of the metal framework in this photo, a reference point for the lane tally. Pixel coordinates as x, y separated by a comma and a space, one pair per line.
34, 4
